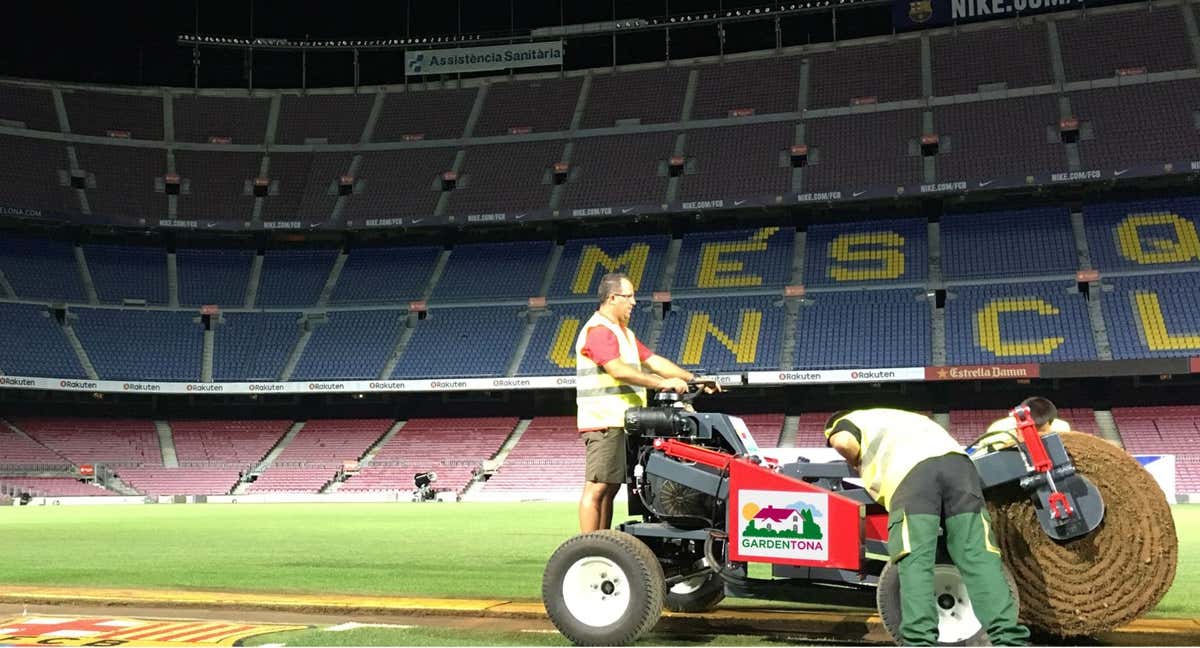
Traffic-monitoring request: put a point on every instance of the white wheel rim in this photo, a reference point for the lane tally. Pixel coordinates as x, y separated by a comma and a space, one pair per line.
956, 617
688, 586
596, 591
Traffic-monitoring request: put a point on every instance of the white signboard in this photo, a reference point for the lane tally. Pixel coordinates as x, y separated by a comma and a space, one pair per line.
479, 59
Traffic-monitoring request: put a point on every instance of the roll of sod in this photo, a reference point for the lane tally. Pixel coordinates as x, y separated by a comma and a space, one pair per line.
1107, 578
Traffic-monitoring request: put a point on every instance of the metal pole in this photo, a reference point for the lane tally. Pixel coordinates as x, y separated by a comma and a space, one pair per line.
304, 69
356, 70
778, 35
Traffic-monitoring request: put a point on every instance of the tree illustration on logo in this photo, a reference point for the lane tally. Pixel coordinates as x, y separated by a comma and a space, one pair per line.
812, 531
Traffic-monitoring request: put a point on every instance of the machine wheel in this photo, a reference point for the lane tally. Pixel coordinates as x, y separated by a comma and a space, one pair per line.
699, 594
603, 588
957, 625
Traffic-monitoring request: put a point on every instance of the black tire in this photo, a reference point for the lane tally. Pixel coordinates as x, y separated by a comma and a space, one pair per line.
887, 599
700, 594
597, 607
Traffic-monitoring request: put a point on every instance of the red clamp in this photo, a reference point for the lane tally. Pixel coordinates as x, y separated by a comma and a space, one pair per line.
1033, 441
1060, 507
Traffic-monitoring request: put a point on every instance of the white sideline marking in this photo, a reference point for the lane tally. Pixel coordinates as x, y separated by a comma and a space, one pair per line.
541, 631
350, 625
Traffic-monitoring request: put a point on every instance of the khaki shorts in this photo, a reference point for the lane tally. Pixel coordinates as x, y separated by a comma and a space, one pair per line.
604, 460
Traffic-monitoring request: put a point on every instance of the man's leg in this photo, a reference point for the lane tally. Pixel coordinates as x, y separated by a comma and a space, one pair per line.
606, 505
591, 506
972, 546
913, 524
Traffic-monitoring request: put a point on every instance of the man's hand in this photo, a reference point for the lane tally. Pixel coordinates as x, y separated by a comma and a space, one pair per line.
709, 385
676, 385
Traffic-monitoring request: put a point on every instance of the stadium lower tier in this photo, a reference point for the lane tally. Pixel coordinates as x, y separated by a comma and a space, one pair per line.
482, 457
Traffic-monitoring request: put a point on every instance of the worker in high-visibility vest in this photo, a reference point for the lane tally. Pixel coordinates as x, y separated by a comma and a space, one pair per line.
613, 370
915, 469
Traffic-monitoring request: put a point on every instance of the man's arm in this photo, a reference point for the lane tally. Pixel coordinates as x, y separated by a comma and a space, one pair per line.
847, 446
623, 372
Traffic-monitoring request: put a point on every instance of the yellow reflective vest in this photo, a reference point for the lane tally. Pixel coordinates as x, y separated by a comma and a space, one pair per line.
600, 398
998, 433
893, 441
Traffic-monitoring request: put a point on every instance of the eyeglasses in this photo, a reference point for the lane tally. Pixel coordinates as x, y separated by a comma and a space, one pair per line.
626, 296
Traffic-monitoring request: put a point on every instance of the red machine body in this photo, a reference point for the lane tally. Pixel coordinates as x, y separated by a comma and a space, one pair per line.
774, 518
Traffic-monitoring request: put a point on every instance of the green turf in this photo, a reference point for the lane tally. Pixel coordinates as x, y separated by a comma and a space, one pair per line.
455, 550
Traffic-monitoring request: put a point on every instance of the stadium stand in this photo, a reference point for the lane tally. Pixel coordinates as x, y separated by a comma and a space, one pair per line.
398, 183
509, 105
307, 186
862, 150
141, 345
385, 275
551, 349
323, 118
618, 170
350, 345
43, 350
765, 428
756, 258
241, 119
863, 329
461, 342
294, 277
32, 107
218, 184
112, 442
998, 139
1152, 316
226, 442
872, 252
763, 85
19, 451
723, 334
125, 181
181, 481
253, 346
454, 448
887, 72
52, 487
1026, 242
1143, 235
474, 269
548, 459
989, 41
738, 161
436, 114
1165, 430
1096, 45
128, 272
1147, 123
216, 276
98, 113
505, 178
313, 457
584, 261
648, 96
811, 430
34, 174
41, 268
1027, 322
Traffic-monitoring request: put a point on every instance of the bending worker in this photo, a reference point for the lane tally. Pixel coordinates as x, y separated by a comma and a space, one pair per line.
916, 470
613, 371
1002, 433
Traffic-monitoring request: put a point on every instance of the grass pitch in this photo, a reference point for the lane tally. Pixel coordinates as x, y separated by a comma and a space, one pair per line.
434, 550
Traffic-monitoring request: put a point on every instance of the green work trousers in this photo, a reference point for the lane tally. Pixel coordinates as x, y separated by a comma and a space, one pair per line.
945, 491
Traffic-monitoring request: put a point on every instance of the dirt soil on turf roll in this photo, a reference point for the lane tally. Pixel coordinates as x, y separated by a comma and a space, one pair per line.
1109, 577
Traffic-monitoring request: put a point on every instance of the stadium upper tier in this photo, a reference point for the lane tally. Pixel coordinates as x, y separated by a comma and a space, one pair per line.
647, 137
973, 288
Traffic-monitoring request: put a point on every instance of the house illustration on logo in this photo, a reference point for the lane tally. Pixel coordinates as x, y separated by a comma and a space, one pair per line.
779, 522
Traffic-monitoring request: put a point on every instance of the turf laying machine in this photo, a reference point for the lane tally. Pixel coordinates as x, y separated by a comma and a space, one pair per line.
1087, 535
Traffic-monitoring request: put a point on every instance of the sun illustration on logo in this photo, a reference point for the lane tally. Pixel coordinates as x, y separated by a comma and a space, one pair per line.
750, 510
